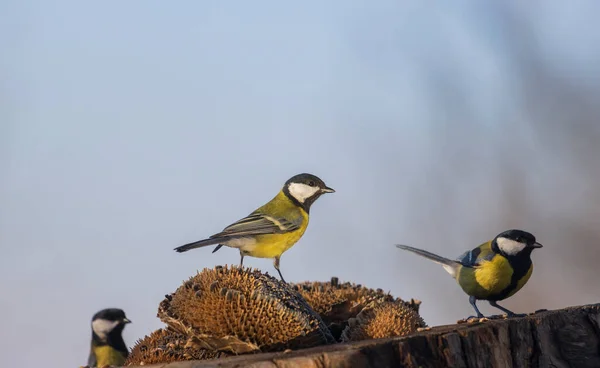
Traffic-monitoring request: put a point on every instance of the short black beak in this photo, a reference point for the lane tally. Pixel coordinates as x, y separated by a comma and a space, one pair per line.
126, 320
537, 245
327, 190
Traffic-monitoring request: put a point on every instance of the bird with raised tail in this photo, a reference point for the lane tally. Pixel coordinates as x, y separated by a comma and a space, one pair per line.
493, 271
273, 228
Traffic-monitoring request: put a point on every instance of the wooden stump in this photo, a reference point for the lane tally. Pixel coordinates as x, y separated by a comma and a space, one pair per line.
563, 338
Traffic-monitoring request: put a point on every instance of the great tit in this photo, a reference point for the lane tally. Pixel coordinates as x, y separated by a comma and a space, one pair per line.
273, 228
493, 271
108, 347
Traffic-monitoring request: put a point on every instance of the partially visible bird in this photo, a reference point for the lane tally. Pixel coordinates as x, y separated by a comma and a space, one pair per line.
493, 271
108, 347
273, 228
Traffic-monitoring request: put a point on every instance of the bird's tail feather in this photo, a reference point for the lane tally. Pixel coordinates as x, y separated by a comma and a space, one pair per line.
449, 265
200, 243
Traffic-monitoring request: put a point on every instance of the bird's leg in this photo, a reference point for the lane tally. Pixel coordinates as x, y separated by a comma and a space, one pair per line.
276, 265
508, 312
473, 302
241, 259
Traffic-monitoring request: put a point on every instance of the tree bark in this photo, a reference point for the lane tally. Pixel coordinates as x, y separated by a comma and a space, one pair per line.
564, 338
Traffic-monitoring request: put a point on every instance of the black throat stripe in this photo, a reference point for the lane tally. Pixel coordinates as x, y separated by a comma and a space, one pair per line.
520, 266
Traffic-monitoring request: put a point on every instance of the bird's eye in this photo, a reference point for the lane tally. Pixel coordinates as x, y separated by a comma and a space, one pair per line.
311, 183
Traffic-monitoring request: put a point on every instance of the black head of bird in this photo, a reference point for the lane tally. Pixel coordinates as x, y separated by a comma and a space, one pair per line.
515, 243
305, 189
109, 322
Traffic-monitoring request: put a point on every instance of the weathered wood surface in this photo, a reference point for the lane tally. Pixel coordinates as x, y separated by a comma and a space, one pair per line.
564, 338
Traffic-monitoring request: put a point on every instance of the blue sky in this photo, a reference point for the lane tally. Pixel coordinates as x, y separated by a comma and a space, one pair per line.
127, 129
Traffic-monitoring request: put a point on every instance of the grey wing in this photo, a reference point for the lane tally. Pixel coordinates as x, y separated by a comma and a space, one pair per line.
257, 223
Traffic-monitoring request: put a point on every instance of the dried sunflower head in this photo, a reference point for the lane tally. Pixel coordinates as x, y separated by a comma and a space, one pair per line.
165, 346
240, 310
382, 319
337, 302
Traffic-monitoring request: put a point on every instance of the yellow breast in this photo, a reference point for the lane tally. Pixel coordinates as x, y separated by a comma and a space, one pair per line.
106, 355
273, 245
495, 275
489, 278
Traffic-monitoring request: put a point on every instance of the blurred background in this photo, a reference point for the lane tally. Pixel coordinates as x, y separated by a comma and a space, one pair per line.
128, 129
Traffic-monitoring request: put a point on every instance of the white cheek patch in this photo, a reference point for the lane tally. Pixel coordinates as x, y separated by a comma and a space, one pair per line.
102, 327
509, 246
302, 191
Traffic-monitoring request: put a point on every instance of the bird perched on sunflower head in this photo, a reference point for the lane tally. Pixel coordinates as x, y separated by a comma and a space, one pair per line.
275, 227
